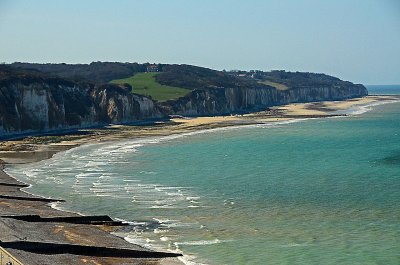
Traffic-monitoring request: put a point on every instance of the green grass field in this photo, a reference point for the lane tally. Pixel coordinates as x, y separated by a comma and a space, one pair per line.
146, 85
273, 84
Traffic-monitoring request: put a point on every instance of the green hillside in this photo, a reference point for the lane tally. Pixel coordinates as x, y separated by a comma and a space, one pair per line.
145, 84
274, 84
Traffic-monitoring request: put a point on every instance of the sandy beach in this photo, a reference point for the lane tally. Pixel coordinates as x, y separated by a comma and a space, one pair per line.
36, 148
15, 202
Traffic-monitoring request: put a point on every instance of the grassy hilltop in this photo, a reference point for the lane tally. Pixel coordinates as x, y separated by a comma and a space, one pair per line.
146, 85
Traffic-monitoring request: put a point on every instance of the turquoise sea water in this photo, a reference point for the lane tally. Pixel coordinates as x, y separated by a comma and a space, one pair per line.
321, 191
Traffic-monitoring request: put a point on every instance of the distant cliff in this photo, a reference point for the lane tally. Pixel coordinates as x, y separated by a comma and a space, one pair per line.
219, 101
35, 103
217, 93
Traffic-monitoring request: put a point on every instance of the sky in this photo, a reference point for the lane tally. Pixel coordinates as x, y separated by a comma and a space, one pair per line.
355, 40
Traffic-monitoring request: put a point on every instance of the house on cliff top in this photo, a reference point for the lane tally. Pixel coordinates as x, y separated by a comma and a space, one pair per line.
152, 68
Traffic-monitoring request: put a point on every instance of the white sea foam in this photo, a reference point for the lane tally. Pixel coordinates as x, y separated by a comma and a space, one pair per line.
165, 188
279, 123
96, 163
110, 190
164, 238
163, 221
57, 206
165, 201
200, 242
95, 169
160, 231
165, 207
188, 260
87, 175
179, 224
361, 109
133, 223
106, 185
31, 173
295, 245
131, 180
138, 241
148, 172
180, 194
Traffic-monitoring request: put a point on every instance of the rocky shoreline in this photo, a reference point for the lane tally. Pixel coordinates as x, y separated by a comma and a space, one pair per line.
60, 237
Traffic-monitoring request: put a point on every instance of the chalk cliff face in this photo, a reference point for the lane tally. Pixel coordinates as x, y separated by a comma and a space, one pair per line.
218, 101
215, 92
39, 104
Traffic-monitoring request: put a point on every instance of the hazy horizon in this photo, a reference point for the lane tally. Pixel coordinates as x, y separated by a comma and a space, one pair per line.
356, 41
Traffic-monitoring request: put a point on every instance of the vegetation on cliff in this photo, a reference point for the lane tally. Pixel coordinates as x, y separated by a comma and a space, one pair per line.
194, 77
96, 72
146, 85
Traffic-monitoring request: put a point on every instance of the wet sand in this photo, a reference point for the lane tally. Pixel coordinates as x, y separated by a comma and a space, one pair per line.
31, 149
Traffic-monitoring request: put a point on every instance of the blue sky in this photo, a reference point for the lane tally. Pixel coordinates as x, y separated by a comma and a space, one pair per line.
355, 40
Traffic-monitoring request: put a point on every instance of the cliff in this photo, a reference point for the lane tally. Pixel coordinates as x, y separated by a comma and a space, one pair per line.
220, 101
33, 101
218, 93
36, 103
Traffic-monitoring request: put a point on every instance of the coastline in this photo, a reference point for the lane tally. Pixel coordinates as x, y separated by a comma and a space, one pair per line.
35, 149
60, 240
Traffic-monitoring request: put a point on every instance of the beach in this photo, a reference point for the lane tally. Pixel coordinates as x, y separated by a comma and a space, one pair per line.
36, 148
32, 149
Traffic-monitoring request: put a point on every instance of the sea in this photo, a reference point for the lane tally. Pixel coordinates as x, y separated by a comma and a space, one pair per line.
314, 191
